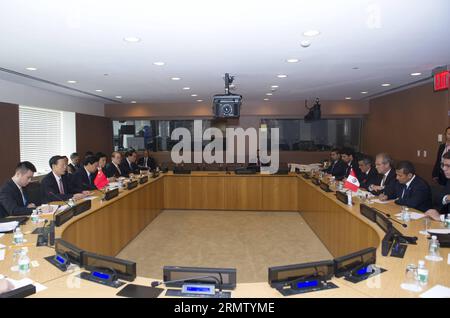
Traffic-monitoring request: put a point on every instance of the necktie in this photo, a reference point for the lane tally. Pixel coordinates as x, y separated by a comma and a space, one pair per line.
118, 169
383, 180
61, 186
405, 188
23, 197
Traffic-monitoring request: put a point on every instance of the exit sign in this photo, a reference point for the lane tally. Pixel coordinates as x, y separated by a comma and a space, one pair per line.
441, 81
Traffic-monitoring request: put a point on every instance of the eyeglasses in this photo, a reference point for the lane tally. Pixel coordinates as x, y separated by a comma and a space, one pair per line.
444, 165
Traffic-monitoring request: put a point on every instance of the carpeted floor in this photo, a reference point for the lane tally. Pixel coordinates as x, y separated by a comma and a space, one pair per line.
248, 241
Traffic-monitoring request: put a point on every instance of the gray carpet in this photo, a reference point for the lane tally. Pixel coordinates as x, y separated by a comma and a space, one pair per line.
248, 241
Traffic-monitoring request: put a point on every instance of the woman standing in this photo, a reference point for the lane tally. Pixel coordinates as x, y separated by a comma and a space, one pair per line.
438, 174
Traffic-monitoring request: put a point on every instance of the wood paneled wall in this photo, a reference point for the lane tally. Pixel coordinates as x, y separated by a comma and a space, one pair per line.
10, 140
94, 133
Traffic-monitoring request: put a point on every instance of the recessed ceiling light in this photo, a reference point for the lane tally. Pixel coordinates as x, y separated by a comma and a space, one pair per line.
71, 82
311, 33
355, 68
99, 90
416, 74
348, 98
274, 86
199, 100
305, 43
269, 94
31, 69
386, 85
159, 63
281, 75
133, 102
119, 97
292, 60
266, 99
175, 78
364, 92
186, 88
194, 95
132, 39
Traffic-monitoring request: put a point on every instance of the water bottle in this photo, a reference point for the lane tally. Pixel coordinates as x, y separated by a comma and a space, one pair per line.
406, 216
34, 217
433, 247
349, 198
71, 202
24, 263
422, 273
18, 236
447, 221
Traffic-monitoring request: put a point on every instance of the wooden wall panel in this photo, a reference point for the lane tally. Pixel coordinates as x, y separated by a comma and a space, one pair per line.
94, 133
10, 140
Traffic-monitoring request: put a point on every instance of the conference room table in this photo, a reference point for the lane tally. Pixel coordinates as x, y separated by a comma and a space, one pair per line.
109, 226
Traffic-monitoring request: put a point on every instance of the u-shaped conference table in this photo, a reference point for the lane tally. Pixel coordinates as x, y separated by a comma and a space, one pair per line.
110, 225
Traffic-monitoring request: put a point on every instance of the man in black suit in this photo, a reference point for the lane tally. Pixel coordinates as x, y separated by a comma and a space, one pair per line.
56, 185
349, 158
387, 178
102, 158
444, 198
337, 168
411, 190
438, 174
13, 198
83, 179
369, 174
128, 165
112, 170
146, 162
75, 163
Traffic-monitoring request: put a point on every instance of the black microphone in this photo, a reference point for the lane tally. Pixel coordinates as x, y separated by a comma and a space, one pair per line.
219, 282
58, 197
390, 218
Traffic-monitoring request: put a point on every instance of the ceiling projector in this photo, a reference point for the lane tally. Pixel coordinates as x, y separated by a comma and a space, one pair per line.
227, 105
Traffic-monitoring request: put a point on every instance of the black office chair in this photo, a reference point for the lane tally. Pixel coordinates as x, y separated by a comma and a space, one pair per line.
33, 191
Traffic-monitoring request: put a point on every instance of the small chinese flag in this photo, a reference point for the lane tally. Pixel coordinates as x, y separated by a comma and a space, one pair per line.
352, 182
101, 180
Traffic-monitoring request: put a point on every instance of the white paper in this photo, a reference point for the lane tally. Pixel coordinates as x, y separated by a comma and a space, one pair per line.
442, 217
439, 231
62, 208
26, 281
381, 202
2, 246
448, 259
2, 255
414, 215
113, 185
1, 234
437, 291
52, 208
90, 198
8, 226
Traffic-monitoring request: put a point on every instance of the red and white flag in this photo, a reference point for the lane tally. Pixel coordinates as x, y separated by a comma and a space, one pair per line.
352, 182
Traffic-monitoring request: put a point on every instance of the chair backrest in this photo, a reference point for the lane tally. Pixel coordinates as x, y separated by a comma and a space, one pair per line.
33, 191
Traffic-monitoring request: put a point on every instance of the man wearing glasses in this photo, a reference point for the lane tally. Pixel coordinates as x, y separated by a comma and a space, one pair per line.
445, 195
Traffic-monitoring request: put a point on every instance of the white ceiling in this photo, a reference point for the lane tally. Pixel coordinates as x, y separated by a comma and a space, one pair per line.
201, 40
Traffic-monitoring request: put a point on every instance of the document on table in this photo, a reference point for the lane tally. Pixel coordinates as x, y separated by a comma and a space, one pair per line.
381, 202
50, 209
414, 215
26, 281
439, 231
8, 226
437, 291
2, 246
90, 198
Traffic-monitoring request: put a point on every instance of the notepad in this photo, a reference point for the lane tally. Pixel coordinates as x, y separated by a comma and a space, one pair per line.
8, 226
413, 215
25, 282
437, 291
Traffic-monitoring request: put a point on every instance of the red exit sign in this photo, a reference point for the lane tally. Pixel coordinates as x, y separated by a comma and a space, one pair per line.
441, 81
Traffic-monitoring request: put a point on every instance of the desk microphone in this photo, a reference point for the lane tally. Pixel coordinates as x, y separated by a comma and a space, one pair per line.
219, 282
58, 197
390, 218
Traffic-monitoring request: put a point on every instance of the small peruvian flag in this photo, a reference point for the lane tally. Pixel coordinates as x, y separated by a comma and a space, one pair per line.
352, 182
101, 180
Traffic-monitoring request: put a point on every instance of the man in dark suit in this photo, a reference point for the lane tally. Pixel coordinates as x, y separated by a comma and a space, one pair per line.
337, 168
387, 178
349, 158
112, 170
83, 179
438, 174
13, 198
444, 198
369, 174
74, 164
56, 185
146, 162
128, 165
411, 190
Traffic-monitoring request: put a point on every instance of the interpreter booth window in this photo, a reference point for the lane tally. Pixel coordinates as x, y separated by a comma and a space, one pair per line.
321, 135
